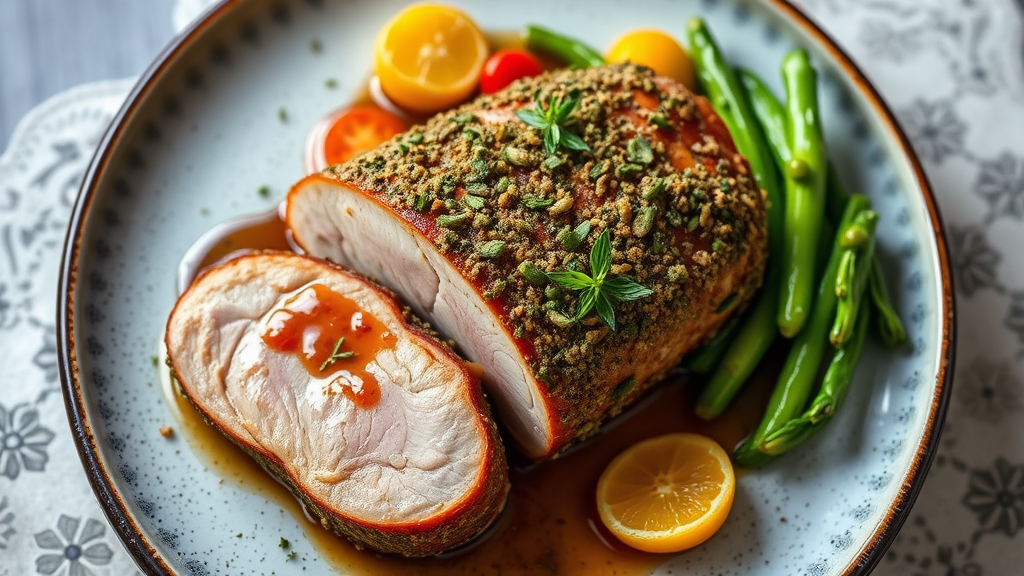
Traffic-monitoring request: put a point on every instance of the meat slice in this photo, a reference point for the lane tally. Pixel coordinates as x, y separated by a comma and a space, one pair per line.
463, 216
380, 430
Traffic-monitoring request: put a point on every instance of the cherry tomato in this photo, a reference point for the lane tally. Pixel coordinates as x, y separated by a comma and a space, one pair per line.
506, 66
357, 130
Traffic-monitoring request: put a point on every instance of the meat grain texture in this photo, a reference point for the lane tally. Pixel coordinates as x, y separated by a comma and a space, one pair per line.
419, 473
449, 215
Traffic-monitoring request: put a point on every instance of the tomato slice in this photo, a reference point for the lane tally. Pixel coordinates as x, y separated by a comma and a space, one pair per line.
357, 130
507, 66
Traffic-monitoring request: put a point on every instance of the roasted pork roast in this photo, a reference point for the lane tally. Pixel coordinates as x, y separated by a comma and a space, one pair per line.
464, 215
375, 425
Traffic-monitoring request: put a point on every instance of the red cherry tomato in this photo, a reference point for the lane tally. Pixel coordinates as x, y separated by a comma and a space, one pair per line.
357, 130
506, 66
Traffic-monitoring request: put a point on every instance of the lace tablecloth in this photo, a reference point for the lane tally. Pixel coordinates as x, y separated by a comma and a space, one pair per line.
953, 70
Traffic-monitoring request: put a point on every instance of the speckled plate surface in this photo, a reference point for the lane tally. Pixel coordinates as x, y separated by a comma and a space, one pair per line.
203, 132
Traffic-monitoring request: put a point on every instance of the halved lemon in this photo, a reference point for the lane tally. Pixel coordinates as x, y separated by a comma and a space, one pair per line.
667, 494
429, 57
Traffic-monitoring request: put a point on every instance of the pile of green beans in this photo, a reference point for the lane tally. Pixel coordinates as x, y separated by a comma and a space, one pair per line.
783, 143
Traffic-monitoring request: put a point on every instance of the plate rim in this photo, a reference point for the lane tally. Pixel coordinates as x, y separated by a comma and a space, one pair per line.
138, 544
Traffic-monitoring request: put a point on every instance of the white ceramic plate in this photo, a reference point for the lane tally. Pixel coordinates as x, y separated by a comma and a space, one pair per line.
201, 134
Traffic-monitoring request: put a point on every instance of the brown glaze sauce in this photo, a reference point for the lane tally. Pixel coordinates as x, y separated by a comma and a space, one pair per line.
331, 335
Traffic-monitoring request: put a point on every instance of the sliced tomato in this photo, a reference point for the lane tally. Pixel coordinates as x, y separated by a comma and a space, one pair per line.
507, 66
357, 130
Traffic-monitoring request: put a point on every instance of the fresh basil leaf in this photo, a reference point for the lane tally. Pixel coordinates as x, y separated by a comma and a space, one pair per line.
550, 144
623, 288
571, 279
566, 109
574, 142
586, 303
601, 256
605, 310
532, 118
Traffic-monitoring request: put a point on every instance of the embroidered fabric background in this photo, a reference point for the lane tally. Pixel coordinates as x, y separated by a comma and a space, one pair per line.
953, 70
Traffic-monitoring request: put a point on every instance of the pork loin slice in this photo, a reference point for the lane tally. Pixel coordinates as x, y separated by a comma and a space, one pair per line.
463, 216
416, 469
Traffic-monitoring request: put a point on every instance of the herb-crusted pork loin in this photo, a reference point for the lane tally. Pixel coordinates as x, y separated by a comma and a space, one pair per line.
465, 217
380, 430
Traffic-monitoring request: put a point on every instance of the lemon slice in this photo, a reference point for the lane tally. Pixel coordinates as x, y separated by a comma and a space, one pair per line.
668, 493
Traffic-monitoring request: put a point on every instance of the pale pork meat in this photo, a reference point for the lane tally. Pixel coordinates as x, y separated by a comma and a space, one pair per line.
378, 428
464, 216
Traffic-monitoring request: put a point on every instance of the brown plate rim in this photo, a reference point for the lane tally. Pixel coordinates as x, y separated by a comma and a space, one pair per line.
136, 541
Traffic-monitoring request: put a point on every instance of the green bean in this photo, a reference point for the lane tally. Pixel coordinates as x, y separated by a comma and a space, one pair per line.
704, 359
800, 371
805, 192
575, 53
771, 115
834, 387
854, 270
723, 89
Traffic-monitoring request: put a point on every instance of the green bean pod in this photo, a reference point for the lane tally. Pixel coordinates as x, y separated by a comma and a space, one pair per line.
770, 114
800, 371
834, 387
854, 271
805, 192
575, 53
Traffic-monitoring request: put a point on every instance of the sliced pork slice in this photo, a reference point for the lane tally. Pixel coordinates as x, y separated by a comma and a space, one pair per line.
381, 431
464, 215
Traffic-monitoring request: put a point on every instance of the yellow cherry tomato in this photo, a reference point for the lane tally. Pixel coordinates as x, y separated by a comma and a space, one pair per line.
429, 57
656, 50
